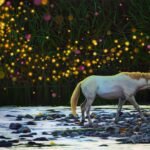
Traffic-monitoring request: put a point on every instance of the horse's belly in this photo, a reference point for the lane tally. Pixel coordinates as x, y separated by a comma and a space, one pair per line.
110, 93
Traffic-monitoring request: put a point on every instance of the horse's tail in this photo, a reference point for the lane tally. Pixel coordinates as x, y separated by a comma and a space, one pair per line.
74, 98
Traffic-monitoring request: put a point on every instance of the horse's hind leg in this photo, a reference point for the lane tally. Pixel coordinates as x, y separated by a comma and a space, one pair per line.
135, 104
83, 111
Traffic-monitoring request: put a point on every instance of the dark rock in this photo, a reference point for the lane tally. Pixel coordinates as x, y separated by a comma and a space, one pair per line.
14, 141
45, 133
31, 123
26, 135
24, 130
9, 115
57, 133
31, 143
50, 118
5, 144
103, 145
41, 139
28, 116
15, 126
19, 117
3, 137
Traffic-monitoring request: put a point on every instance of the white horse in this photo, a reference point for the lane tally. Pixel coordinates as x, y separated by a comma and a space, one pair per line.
122, 86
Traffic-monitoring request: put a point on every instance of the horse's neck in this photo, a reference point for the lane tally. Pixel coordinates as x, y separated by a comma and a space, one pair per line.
141, 82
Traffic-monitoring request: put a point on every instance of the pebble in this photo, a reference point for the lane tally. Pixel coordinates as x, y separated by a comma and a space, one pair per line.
15, 126
24, 130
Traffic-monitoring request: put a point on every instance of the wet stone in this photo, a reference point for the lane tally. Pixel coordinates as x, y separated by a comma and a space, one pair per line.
19, 117
15, 126
8, 115
28, 116
26, 135
5, 144
31, 123
103, 145
3, 137
24, 130
14, 141
41, 139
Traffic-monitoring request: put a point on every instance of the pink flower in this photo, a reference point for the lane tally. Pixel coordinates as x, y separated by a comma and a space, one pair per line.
28, 37
47, 17
37, 2
77, 51
54, 95
8, 3
148, 46
81, 68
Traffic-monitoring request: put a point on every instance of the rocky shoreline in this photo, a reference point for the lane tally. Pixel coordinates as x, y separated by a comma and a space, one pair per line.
130, 128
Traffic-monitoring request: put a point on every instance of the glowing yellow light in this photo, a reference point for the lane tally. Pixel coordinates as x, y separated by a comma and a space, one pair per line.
89, 47
54, 71
40, 78
13, 64
30, 74
57, 65
118, 46
11, 54
69, 30
44, 2
134, 37
126, 49
6, 8
12, 19
142, 44
47, 37
94, 42
94, 54
116, 41
120, 61
32, 11
105, 50
1, 2
127, 43
30, 48
76, 42
21, 3
11, 71
88, 64
47, 79
131, 57
53, 60
141, 34
25, 18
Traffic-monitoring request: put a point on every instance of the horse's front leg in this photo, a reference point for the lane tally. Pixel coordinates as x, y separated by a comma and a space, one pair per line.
88, 107
120, 104
136, 106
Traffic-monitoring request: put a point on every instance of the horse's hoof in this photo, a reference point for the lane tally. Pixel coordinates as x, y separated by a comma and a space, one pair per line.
81, 123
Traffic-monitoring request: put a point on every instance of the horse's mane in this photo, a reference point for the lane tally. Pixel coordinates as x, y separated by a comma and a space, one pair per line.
137, 75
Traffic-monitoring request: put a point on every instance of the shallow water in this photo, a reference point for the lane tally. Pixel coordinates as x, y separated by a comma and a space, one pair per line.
83, 143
